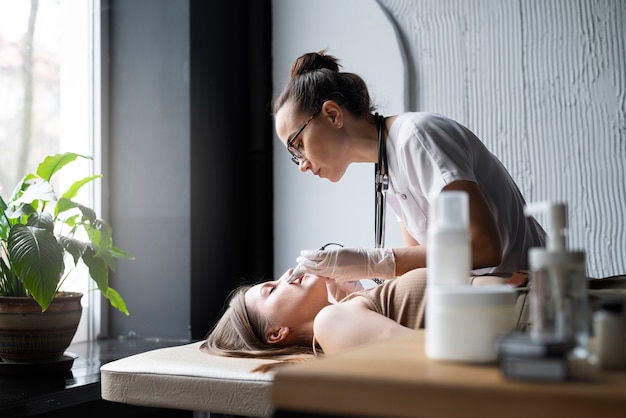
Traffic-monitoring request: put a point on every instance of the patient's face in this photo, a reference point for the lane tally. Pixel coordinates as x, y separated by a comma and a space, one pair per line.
289, 304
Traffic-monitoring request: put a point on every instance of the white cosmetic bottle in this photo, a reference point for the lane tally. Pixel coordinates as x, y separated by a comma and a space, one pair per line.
558, 292
449, 253
462, 321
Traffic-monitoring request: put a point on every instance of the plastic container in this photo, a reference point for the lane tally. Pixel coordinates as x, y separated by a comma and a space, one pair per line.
558, 293
448, 254
463, 323
608, 327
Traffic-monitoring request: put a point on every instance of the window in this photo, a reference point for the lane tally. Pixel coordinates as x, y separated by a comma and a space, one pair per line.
49, 79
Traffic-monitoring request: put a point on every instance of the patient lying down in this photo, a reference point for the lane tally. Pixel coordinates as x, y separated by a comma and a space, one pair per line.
293, 322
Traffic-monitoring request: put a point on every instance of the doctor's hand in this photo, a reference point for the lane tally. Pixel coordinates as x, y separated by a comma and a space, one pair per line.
347, 264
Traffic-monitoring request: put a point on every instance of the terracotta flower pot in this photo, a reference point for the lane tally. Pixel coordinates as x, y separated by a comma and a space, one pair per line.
29, 335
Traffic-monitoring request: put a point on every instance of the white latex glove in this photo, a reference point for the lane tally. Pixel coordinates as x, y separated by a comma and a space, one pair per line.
347, 264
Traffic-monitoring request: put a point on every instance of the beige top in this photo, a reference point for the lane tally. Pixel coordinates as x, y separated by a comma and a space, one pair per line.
402, 299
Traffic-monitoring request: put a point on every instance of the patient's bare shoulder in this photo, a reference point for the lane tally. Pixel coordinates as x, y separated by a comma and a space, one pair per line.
352, 323
345, 310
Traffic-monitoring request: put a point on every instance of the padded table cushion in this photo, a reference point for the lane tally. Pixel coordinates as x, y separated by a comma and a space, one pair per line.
183, 377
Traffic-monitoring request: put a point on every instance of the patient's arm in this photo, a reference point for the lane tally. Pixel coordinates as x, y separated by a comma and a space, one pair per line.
489, 279
352, 323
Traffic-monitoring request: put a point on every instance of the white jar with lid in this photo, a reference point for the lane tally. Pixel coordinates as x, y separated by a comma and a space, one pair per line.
464, 322
610, 333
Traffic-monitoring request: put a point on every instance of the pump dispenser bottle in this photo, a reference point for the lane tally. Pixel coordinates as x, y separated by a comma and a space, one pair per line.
449, 253
558, 294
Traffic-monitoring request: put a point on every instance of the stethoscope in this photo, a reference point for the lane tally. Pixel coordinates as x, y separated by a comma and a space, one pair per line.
381, 184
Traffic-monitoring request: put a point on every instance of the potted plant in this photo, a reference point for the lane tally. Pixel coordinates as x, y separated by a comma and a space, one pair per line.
39, 232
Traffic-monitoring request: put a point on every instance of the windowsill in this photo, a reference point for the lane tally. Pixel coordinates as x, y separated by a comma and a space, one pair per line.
32, 395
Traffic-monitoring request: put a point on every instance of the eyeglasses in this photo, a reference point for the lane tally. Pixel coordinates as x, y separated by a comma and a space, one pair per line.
296, 154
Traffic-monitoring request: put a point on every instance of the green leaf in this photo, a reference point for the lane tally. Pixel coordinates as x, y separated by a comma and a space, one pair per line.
116, 300
54, 163
41, 220
100, 274
22, 210
97, 269
63, 205
71, 220
36, 189
75, 247
88, 213
73, 190
117, 253
37, 259
23, 184
107, 257
10, 285
102, 236
4, 222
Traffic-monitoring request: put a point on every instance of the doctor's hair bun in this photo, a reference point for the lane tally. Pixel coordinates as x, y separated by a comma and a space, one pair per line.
313, 61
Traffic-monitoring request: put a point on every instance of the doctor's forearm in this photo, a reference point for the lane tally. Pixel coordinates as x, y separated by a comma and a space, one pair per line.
409, 258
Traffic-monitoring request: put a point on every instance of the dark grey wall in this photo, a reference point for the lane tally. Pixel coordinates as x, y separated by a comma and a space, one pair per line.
189, 159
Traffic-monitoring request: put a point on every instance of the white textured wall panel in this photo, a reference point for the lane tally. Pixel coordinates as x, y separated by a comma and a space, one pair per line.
543, 84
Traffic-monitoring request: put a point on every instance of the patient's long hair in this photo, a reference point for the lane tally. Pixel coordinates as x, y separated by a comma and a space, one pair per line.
239, 333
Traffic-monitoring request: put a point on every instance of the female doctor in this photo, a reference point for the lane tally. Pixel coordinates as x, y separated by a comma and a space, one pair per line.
326, 120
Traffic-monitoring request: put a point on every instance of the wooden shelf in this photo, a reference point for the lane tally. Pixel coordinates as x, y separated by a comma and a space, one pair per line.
395, 378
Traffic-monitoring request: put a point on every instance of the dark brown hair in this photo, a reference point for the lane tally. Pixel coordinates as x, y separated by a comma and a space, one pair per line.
315, 78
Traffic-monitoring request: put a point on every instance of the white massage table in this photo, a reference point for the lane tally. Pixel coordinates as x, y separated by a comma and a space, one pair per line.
185, 378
